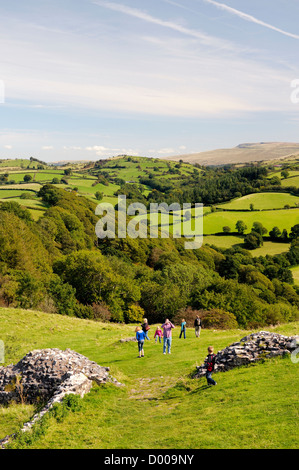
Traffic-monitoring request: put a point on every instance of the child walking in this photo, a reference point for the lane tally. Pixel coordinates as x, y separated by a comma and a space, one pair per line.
158, 334
140, 336
210, 363
183, 328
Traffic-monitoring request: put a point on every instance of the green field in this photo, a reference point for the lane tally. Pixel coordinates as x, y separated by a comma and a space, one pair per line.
17, 163
34, 204
240, 413
13, 193
159, 168
284, 219
293, 181
228, 241
21, 186
29, 203
262, 201
213, 222
295, 272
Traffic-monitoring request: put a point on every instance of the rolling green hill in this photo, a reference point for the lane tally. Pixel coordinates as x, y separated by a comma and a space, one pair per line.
262, 201
173, 410
284, 218
17, 163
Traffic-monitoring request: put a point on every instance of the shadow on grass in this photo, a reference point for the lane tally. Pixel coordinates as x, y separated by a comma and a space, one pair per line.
200, 389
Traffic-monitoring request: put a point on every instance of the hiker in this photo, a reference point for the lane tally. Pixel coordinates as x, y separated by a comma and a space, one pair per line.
167, 327
183, 328
197, 326
145, 328
210, 363
140, 336
158, 334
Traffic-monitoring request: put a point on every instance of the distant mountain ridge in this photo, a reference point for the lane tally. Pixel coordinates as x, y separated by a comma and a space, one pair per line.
242, 153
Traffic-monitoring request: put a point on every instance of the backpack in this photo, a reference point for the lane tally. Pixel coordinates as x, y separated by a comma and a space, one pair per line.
210, 362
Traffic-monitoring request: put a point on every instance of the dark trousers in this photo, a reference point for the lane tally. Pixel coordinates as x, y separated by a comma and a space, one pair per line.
209, 379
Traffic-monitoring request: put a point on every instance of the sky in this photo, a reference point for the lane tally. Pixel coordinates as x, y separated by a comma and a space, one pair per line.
86, 80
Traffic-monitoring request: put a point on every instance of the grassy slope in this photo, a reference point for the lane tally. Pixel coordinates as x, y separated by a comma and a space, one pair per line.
160, 405
284, 218
262, 201
228, 241
295, 272
291, 181
17, 163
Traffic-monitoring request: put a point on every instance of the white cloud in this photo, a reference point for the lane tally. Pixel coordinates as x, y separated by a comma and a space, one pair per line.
102, 151
203, 37
8, 147
47, 147
250, 18
166, 151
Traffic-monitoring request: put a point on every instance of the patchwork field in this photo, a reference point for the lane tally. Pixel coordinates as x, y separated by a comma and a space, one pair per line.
262, 201
294, 181
229, 241
129, 169
18, 163
213, 222
284, 219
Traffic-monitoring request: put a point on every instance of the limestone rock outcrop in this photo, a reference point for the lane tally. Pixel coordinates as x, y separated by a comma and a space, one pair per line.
48, 375
43, 372
252, 348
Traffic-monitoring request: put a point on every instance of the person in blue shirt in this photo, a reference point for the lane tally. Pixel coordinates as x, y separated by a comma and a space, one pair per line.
183, 328
140, 336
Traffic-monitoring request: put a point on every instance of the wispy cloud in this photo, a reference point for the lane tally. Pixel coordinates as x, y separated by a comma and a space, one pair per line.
102, 151
170, 2
250, 18
142, 15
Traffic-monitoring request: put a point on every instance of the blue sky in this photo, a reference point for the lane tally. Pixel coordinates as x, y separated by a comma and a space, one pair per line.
91, 79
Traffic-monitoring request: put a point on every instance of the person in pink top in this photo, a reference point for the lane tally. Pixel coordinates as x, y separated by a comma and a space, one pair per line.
167, 327
158, 334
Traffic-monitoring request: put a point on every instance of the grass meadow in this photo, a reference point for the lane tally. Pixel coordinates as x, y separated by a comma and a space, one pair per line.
295, 272
291, 181
229, 241
262, 201
159, 405
284, 219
